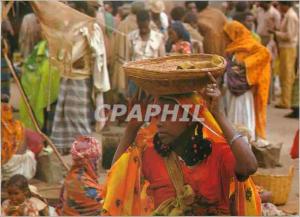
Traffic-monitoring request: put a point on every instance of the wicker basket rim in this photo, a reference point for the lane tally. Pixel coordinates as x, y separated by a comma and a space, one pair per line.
169, 76
133, 64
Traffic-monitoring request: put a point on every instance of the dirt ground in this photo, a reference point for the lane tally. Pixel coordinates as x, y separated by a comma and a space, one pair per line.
279, 129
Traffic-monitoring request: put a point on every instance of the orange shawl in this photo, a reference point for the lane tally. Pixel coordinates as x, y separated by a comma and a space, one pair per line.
257, 61
124, 194
12, 134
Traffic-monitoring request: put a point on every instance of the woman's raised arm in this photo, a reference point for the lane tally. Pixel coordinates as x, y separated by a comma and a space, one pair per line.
246, 163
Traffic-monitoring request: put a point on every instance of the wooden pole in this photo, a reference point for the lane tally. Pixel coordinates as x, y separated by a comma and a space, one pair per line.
31, 115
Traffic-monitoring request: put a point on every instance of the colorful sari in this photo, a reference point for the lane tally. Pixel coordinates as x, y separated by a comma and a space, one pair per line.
125, 175
81, 193
257, 60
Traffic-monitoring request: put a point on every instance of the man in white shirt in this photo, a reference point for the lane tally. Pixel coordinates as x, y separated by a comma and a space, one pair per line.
268, 19
144, 43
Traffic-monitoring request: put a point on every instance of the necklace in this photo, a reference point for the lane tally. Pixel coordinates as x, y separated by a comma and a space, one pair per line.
192, 148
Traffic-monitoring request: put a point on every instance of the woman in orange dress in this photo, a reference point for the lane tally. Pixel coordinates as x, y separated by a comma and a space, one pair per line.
193, 168
255, 59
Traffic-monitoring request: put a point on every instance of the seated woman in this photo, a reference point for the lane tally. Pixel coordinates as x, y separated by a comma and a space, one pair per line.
179, 39
16, 158
193, 167
81, 192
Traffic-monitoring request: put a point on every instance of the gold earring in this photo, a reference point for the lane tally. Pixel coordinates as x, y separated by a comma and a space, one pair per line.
196, 130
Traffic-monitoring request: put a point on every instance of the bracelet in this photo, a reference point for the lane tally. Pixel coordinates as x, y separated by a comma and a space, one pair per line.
235, 137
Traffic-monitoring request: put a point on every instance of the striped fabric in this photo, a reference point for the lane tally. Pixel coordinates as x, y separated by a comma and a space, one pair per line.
74, 112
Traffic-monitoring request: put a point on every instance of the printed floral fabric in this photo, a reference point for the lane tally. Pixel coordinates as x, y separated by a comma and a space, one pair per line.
27, 208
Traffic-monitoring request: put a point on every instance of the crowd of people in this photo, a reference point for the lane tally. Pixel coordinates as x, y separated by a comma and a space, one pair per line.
71, 65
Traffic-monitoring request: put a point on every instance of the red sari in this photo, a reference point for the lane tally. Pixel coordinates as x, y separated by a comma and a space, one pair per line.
209, 179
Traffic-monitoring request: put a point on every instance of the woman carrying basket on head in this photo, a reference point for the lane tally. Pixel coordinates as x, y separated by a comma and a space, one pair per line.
193, 168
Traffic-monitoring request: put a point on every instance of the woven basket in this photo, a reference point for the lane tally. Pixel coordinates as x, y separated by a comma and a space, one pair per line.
279, 185
160, 76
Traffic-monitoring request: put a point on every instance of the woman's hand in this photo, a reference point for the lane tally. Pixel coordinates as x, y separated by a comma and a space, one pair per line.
246, 163
212, 95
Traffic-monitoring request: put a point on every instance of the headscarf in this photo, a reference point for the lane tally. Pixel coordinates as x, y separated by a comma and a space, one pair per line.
12, 133
257, 61
181, 32
238, 34
124, 176
85, 147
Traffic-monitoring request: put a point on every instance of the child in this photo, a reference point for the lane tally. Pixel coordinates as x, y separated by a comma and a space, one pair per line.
21, 201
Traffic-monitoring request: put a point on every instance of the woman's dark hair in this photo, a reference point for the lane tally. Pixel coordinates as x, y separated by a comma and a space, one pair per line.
20, 182
143, 16
181, 32
190, 18
177, 13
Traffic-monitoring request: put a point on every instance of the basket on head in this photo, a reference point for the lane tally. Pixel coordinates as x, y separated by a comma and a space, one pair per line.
279, 185
175, 74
